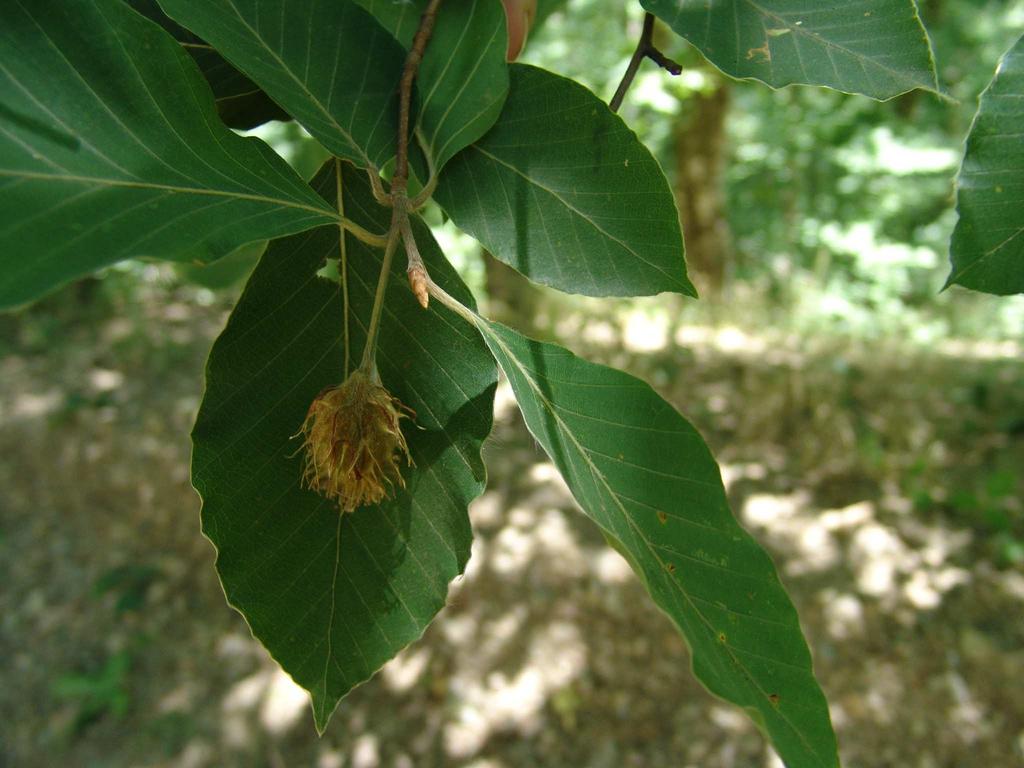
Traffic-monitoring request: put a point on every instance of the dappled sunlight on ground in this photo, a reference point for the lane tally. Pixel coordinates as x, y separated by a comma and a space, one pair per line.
895, 564
852, 469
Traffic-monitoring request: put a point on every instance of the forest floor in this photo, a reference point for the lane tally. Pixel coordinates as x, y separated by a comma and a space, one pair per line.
885, 481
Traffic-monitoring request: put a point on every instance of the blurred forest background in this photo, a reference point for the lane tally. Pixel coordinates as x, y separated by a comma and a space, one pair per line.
870, 429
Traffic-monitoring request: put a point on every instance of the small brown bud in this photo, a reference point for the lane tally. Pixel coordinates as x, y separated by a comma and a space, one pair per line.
418, 283
353, 443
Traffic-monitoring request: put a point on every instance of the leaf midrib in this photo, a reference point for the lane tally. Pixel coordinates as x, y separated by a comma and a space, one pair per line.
75, 179
984, 258
812, 35
596, 473
625, 246
347, 135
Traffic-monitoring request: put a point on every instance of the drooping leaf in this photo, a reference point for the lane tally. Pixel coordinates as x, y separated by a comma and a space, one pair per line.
332, 596
645, 476
875, 47
561, 190
327, 62
463, 79
240, 102
987, 248
110, 147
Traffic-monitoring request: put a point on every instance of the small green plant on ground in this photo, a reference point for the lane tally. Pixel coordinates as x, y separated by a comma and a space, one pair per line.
103, 688
338, 442
96, 693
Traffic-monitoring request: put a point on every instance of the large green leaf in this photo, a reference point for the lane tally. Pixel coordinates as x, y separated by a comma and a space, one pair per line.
645, 476
987, 249
327, 62
332, 596
240, 102
564, 192
463, 79
110, 147
875, 47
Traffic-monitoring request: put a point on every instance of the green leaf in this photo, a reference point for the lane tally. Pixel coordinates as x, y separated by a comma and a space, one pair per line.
463, 78
332, 596
645, 476
987, 248
399, 18
561, 190
875, 47
110, 147
327, 62
240, 102
226, 272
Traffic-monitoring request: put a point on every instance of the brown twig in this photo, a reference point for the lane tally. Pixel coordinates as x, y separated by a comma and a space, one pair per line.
400, 180
400, 228
417, 271
645, 49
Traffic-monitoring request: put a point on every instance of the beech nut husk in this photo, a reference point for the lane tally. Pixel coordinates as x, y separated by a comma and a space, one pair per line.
353, 443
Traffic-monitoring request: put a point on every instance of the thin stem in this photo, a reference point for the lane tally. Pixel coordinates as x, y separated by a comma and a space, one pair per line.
400, 227
669, 65
428, 189
424, 194
368, 237
645, 49
452, 303
411, 249
369, 361
634, 63
342, 260
377, 186
400, 180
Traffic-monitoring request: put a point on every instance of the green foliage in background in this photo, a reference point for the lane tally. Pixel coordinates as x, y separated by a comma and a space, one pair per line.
839, 208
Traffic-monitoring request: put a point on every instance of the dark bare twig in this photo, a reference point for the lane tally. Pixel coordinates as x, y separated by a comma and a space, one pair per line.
417, 270
400, 180
398, 197
645, 49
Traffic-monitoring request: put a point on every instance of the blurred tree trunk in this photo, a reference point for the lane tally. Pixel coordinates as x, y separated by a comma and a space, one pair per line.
511, 298
700, 144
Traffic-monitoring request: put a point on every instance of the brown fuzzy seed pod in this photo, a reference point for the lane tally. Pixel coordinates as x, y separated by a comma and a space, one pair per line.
353, 443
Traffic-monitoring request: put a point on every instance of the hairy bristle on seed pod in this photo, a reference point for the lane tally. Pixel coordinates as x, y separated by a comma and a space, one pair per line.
353, 443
